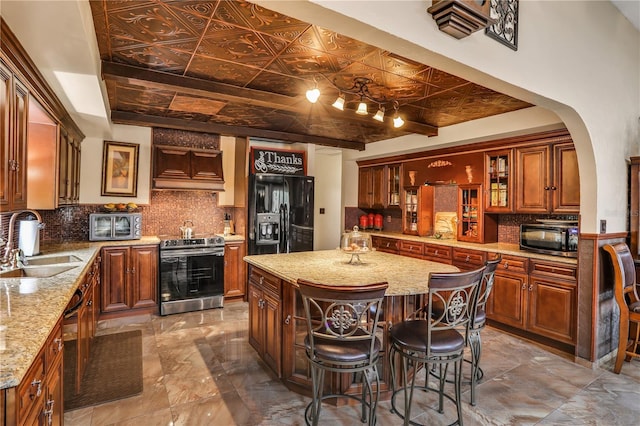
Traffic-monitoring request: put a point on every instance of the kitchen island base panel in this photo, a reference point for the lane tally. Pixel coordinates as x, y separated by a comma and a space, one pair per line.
277, 322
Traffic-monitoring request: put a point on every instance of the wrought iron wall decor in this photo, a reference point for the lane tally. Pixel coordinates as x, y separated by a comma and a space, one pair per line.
505, 30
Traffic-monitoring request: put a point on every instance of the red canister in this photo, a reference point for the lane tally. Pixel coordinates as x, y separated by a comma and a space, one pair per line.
364, 221
370, 220
377, 222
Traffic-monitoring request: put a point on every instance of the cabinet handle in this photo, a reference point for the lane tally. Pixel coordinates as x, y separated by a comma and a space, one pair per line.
59, 342
546, 188
388, 245
261, 280
435, 252
467, 259
48, 412
554, 188
39, 384
506, 265
287, 320
524, 286
531, 287
133, 270
90, 302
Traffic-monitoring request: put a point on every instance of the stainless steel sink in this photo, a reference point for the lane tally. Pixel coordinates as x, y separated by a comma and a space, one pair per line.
37, 272
52, 260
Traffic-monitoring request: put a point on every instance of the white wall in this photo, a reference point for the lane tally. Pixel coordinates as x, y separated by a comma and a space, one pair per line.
578, 59
91, 165
328, 195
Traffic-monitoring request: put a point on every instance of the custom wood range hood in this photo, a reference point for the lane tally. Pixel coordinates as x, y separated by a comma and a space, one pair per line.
233, 67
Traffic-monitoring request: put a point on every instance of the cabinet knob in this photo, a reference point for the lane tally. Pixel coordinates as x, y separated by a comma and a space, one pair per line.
133, 270
524, 286
546, 188
467, 259
59, 342
506, 265
436, 252
554, 188
261, 280
531, 287
287, 320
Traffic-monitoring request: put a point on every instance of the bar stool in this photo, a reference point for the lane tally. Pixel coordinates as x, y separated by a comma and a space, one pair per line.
341, 337
429, 338
624, 283
478, 321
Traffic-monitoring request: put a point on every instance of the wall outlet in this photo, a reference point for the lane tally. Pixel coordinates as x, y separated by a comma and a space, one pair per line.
389, 219
603, 226
321, 210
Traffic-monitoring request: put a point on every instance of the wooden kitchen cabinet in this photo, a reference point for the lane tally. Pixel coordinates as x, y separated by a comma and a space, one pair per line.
129, 278
14, 101
547, 179
234, 270
553, 301
498, 182
176, 167
467, 260
437, 253
387, 245
69, 169
371, 187
38, 399
417, 215
473, 224
542, 301
265, 316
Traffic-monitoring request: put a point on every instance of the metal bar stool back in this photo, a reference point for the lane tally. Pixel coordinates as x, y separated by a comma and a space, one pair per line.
431, 337
626, 295
341, 337
478, 321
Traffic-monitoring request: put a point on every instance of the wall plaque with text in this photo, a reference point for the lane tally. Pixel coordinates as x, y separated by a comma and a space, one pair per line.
283, 162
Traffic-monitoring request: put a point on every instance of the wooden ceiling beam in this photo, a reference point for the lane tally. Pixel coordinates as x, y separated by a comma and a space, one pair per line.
130, 118
128, 74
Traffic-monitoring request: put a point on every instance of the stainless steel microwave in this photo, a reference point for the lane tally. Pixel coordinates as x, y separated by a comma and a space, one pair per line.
115, 226
557, 239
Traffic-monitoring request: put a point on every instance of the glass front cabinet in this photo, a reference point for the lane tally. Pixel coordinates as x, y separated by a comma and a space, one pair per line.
498, 182
393, 185
418, 210
473, 224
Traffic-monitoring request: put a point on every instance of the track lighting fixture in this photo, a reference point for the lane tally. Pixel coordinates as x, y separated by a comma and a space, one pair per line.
360, 88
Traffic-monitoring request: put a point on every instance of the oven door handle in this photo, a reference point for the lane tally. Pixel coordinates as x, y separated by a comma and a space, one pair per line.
168, 254
69, 312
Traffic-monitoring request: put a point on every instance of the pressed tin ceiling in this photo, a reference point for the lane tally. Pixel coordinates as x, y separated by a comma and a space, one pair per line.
237, 68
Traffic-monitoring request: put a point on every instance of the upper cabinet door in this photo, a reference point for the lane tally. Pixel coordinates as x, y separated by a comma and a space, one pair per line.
171, 162
5, 119
532, 171
499, 181
566, 183
206, 165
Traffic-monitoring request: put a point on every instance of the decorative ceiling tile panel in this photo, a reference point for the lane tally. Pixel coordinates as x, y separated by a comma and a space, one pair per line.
267, 62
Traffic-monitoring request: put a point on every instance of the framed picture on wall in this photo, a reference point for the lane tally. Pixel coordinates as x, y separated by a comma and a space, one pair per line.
120, 169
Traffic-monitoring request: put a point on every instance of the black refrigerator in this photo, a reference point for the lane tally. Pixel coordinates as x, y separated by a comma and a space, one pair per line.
280, 213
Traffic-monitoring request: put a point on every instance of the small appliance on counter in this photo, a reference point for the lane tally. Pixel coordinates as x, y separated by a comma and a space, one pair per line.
115, 226
550, 236
29, 239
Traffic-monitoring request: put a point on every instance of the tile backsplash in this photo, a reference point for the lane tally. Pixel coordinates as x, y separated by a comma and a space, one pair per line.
162, 217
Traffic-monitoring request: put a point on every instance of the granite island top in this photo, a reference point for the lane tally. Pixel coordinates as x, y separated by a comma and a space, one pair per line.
31, 307
405, 275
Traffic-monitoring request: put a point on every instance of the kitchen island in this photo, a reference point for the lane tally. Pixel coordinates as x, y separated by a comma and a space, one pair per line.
277, 325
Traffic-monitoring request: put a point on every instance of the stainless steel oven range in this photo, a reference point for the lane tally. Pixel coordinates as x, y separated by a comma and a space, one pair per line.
191, 274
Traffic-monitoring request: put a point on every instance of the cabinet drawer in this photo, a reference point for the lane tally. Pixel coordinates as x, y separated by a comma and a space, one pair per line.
512, 264
31, 389
438, 253
54, 346
265, 281
411, 247
385, 244
470, 259
555, 270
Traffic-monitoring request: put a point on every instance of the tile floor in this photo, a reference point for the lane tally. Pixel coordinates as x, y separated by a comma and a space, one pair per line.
200, 370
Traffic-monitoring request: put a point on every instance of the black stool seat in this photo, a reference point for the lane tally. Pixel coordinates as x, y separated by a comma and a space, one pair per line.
414, 335
351, 352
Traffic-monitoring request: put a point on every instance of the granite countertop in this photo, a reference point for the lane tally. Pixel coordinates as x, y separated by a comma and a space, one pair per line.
405, 275
31, 307
503, 248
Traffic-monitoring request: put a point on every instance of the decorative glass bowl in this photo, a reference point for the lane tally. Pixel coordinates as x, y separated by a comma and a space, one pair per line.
356, 243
